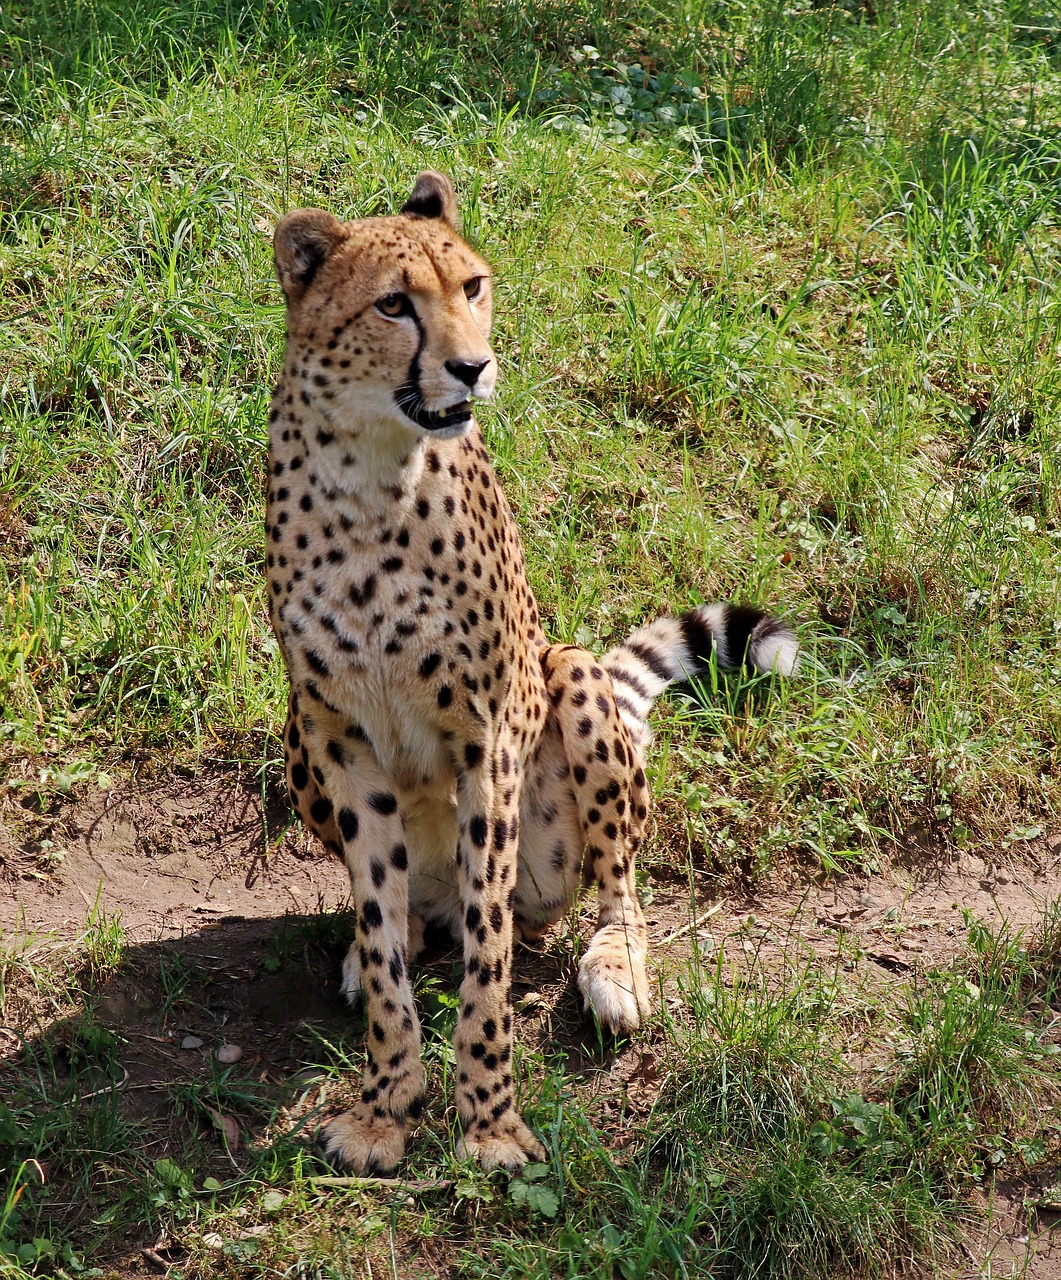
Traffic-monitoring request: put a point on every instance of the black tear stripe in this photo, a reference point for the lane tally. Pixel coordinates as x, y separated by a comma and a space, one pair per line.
410, 399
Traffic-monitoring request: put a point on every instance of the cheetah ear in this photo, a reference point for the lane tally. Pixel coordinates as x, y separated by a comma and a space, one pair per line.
302, 243
433, 197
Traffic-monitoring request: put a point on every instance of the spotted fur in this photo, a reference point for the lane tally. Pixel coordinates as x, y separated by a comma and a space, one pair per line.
468, 773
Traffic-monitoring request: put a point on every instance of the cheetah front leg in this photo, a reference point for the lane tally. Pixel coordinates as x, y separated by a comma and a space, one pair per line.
488, 799
370, 1138
611, 793
351, 981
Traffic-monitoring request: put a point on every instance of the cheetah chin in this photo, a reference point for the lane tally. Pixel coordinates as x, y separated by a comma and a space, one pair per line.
469, 773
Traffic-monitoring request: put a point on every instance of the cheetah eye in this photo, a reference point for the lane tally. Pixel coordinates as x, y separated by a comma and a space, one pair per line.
473, 287
394, 305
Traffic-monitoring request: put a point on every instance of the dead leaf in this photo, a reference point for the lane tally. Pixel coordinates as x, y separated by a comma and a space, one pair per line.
647, 1070
228, 1129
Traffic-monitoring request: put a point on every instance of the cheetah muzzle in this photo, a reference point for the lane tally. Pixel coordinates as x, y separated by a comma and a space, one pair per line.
469, 773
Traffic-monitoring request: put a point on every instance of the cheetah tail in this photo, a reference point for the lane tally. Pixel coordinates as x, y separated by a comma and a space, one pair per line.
673, 649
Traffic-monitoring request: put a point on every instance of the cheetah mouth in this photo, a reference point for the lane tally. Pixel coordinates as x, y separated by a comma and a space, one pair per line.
411, 403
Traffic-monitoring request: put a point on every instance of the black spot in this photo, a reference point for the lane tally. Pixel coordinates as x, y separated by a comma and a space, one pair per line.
321, 810
371, 915
316, 662
363, 594
445, 696
478, 831
378, 872
299, 777
430, 664
399, 857
383, 802
348, 824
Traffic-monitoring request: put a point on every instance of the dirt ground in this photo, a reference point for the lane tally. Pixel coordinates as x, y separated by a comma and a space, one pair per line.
202, 868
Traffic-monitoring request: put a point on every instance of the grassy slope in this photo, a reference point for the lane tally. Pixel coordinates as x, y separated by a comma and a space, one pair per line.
778, 324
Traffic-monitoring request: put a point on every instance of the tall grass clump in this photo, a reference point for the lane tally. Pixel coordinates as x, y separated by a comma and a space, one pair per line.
799, 1177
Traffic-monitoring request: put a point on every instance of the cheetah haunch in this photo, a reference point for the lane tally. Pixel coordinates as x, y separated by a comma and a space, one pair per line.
468, 772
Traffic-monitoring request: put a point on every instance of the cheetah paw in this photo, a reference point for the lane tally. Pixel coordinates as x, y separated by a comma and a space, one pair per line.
364, 1142
614, 983
509, 1148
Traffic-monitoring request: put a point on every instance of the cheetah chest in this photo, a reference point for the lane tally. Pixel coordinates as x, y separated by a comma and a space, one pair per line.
382, 636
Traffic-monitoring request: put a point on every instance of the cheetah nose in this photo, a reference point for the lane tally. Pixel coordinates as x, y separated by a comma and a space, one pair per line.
466, 371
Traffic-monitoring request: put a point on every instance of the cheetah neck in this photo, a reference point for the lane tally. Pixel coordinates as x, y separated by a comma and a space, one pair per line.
372, 470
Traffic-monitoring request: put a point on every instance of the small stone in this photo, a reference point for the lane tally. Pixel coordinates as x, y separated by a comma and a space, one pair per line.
192, 1042
868, 900
229, 1053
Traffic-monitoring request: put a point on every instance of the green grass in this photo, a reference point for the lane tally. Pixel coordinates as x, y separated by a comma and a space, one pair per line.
778, 321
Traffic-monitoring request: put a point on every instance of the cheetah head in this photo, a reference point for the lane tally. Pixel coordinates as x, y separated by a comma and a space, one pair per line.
388, 319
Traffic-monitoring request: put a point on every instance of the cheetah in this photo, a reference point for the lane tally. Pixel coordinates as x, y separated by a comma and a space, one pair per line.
468, 772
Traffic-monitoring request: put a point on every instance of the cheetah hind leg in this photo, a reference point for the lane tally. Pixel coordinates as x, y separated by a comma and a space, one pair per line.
611, 792
351, 984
